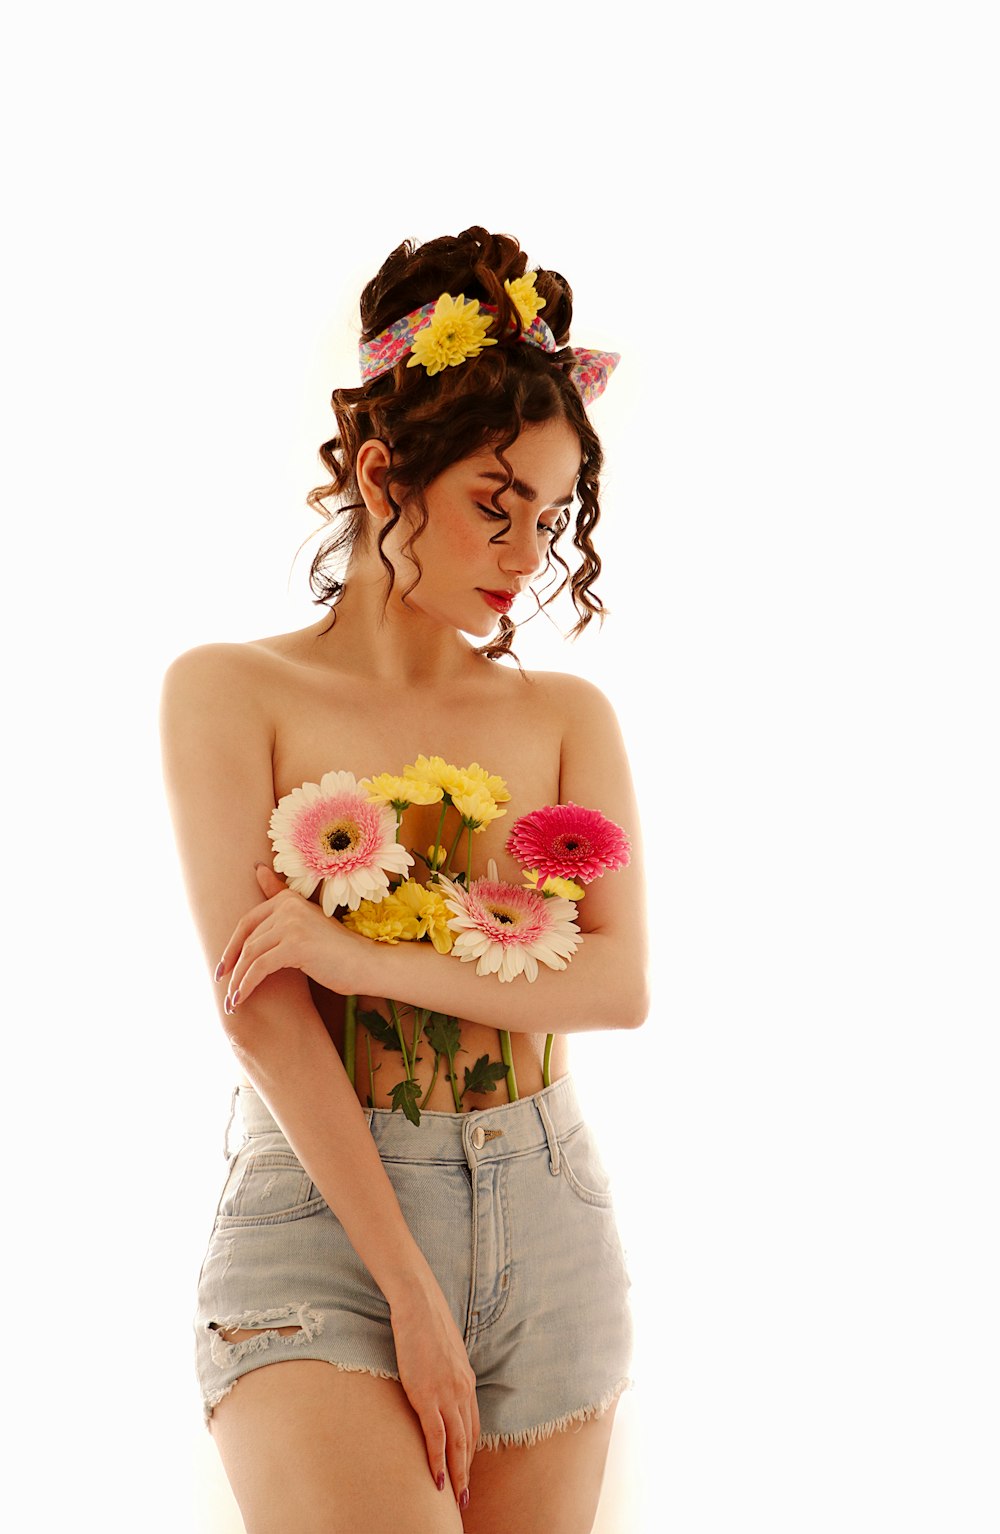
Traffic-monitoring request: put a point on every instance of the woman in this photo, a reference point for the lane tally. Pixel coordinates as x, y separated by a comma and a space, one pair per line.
456, 1259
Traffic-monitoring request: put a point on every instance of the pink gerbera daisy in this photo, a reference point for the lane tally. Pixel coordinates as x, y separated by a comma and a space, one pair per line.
332, 832
510, 930
566, 841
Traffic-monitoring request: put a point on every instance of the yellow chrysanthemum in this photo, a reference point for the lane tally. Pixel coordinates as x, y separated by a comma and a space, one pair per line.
438, 773
477, 806
391, 921
567, 888
524, 298
430, 912
455, 331
400, 792
493, 785
436, 856
457, 781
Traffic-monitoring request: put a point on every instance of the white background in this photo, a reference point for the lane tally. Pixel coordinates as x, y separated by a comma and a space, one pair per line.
784, 217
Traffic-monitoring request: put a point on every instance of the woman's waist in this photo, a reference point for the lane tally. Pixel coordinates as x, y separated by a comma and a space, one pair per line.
538, 1119
414, 1061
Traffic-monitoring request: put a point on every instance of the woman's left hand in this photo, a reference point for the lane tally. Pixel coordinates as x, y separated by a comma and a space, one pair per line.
287, 931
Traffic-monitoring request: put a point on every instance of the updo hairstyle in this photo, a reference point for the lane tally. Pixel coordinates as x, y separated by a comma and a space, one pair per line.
430, 422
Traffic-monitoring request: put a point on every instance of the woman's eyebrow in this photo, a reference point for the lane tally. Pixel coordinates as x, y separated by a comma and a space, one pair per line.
520, 488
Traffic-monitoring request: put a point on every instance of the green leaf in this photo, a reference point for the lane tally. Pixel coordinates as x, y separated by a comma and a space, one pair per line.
443, 1034
379, 1029
406, 1095
484, 1075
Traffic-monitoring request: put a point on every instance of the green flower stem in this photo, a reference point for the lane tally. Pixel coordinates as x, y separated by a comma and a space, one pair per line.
508, 1060
419, 1018
399, 1035
371, 1073
350, 1034
437, 1061
454, 845
468, 870
546, 1079
456, 1095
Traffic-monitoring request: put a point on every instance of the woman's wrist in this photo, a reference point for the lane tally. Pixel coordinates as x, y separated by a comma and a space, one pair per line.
353, 963
410, 1286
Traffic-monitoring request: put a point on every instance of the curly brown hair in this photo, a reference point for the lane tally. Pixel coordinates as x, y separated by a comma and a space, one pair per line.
430, 422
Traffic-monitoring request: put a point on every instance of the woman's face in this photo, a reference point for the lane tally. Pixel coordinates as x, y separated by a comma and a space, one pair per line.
466, 581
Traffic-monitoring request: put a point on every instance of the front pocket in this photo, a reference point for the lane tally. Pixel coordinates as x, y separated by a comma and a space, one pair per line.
272, 1187
581, 1164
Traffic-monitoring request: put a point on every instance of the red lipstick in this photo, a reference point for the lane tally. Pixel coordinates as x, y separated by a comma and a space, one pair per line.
500, 601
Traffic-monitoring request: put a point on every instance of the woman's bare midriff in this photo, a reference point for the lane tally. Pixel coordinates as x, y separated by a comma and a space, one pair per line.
323, 721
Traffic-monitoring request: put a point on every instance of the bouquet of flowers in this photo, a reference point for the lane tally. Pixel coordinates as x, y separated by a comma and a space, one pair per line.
345, 835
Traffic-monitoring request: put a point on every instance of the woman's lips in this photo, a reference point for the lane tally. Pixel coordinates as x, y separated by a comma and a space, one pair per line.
500, 601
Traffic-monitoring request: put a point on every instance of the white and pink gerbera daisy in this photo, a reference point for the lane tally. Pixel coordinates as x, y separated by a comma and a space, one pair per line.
566, 841
331, 832
509, 930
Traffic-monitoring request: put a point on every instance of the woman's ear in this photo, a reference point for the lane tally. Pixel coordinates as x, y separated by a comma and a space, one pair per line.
370, 467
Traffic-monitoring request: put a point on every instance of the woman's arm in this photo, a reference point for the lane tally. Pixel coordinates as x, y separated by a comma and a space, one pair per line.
217, 759
605, 984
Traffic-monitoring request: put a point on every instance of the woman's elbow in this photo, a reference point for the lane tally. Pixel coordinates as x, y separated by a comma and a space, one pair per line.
636, 1005
623, 1006
637, 1013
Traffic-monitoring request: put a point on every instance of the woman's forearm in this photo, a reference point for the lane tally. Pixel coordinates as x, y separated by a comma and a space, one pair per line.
291, 1060
603, 986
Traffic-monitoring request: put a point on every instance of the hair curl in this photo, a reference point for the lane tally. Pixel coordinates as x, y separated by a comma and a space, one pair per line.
429, 423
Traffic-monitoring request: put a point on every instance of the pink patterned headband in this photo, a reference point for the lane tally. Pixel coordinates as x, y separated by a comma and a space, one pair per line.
449, 331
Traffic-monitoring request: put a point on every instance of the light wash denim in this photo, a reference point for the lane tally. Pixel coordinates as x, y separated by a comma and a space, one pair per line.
513, 1210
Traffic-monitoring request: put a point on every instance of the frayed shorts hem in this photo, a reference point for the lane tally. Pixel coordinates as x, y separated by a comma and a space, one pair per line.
524, 1438
211, 1401
543, 1430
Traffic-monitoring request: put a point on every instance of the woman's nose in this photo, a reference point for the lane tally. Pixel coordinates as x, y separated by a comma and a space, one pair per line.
520, 552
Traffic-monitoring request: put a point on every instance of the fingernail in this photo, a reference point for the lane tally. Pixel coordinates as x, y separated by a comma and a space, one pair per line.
218, 969
236, 997
440, 1480
225, 1004
463, 1500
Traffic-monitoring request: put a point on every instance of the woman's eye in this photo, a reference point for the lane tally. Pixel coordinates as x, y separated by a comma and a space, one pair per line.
495, 516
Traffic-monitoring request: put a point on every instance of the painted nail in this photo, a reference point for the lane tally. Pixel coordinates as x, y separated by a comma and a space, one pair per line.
463, 1500
440, 1480
236, 997
218, 969
225, 1004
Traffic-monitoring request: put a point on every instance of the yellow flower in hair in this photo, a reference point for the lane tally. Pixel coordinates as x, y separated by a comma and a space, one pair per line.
524, 298
455, 331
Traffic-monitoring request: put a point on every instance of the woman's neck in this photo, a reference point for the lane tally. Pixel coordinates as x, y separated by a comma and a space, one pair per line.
389, 642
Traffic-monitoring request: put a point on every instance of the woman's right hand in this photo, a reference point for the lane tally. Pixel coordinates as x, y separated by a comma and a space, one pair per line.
440, 1385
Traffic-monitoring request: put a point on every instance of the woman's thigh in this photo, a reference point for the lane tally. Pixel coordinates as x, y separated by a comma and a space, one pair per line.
550, 1487
311, 1449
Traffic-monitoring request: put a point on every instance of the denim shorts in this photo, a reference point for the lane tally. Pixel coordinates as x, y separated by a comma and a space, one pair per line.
513, 1210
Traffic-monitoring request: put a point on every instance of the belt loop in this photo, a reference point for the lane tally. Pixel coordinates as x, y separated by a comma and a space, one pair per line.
550, 1135
232, 1114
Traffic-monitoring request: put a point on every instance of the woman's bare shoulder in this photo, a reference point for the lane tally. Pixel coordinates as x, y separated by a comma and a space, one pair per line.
229, 663
568, 692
